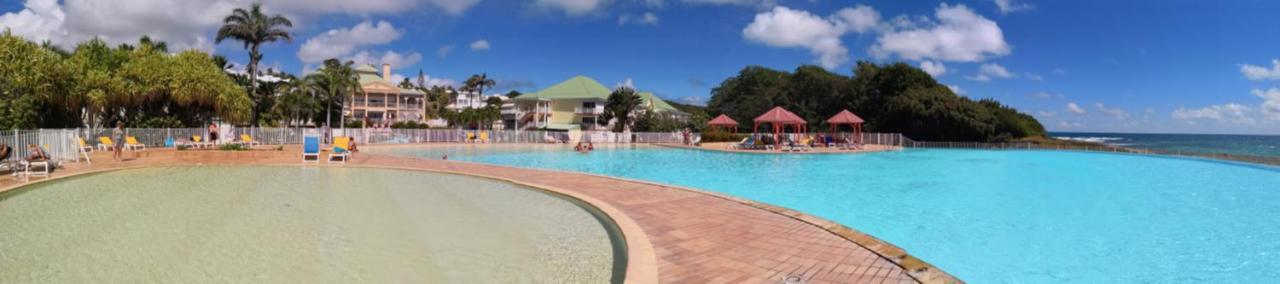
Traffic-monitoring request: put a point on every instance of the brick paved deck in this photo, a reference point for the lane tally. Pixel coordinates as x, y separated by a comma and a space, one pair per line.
674, 235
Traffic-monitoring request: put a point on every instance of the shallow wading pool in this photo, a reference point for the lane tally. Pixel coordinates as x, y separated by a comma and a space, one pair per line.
986, 216
300, 224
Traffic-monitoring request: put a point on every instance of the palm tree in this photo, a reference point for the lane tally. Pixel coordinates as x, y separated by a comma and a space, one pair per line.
294, 101
336, 79
477, 84
254, 28
622, 102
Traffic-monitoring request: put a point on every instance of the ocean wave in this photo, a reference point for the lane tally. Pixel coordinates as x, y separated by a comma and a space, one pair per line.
1090, 139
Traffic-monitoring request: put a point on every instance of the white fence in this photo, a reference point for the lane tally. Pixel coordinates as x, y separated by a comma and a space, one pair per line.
64, 144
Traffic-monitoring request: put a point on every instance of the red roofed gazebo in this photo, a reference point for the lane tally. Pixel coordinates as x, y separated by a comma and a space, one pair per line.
723, 121
847, 117
780, 118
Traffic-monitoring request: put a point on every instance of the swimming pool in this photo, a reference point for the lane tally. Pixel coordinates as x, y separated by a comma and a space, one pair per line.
296, 224
987, 216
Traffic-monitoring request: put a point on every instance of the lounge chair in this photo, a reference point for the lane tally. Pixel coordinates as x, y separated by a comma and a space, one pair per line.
768, 143
311, 148
247, 140
27, 168
84, 147
105, 143
340, 149
169, 143
471, 137
484, 137
741, 144
131, 143
198, 142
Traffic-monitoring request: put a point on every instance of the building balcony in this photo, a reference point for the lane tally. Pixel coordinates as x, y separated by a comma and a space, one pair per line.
589, 111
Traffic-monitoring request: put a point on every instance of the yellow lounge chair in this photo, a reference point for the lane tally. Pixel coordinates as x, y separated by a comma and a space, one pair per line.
132, 143
105, 143
471, 137
484, 137
196, 141
84, 150
247, 140
340, 150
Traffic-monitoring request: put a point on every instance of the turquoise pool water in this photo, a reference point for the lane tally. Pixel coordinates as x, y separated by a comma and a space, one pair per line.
989, 216
298, 225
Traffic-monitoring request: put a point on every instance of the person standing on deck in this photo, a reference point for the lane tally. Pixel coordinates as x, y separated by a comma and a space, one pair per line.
213, 133
117, 137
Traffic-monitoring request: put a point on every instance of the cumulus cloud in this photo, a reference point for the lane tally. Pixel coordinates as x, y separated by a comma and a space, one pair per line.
933, 68
1270, 102
958, 34
337, 43
184, 24
956, 89
859, 19
991, 70
572, 7
480, 45
628, 83
756, 3
646, 19
427, 80
789, 28
1072, 107
1011, 6
396, 59
1233, 112
1260, 73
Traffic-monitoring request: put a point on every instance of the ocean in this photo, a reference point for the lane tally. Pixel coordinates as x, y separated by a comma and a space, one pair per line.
1252, 145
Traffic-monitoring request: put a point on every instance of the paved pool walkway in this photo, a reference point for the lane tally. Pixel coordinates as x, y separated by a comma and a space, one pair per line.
674, 235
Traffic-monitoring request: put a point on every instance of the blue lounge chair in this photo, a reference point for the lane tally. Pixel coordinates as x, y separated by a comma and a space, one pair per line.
311, 148
746, 143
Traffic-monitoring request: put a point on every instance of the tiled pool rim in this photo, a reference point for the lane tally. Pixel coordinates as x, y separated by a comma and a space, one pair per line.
641, 259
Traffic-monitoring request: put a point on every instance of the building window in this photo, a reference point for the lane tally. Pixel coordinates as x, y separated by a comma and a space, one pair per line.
591, 120
588, 105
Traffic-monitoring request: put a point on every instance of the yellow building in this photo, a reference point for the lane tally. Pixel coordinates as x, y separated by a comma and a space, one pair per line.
575, 104
380, 101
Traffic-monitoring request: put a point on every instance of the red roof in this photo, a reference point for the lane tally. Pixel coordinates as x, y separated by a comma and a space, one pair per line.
779, 115
723, 120
845, 117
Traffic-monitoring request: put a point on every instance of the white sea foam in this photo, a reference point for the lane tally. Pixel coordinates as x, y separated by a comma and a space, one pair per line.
1090, 139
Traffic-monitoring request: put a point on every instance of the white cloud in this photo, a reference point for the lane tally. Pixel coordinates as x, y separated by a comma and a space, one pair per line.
991, 70
692, 100
1072, 124
396, 59
646, 19
934, 68
626, 83
755, 3
859, 19
957, 90
337, 43
1270, 102
1010, 6
785, 27
572, 7
444, 51
184, 24
958, 35
426, 80
1074, 108
1260, 73
1114, 112
480, 45
1235, 112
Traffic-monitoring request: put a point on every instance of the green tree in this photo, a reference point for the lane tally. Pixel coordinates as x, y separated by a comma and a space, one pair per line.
338, 81
513, 94
622, 103
253, 28
296, 101
477, 83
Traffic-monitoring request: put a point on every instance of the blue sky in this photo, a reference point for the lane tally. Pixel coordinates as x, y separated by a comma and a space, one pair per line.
1109, 66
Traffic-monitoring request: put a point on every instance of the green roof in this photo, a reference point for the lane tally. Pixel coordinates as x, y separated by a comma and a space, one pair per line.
366, 68
579, 87
657, 104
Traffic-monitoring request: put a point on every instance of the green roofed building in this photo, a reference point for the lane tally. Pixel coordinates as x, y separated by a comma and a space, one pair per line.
574, 104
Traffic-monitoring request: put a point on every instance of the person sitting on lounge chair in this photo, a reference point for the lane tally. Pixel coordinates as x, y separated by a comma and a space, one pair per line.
34, 154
